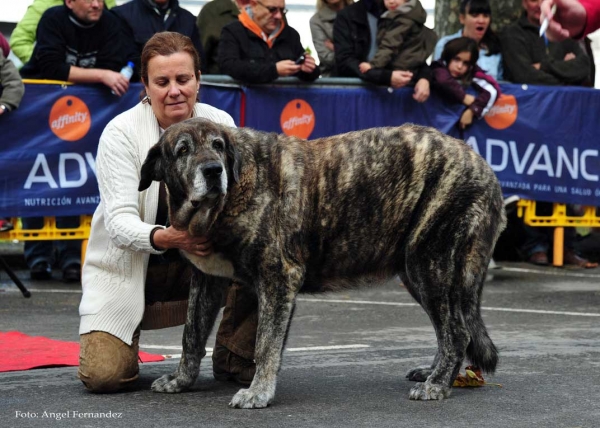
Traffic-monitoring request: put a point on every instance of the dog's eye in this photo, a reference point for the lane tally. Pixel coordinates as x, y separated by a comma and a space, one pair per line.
182, 151
218, 145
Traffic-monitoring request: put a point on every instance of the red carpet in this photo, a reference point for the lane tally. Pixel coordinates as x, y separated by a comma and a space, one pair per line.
22, 352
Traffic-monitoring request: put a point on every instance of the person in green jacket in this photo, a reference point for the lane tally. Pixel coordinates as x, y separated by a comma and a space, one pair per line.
213, 16
22, 38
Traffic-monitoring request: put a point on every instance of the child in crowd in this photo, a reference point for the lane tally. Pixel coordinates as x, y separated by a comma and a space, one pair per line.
456, 71
403, 41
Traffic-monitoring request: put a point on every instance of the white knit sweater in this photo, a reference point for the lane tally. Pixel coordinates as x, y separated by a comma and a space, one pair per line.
114, 271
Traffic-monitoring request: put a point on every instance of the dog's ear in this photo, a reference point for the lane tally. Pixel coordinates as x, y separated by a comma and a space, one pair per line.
234, 159
152, 169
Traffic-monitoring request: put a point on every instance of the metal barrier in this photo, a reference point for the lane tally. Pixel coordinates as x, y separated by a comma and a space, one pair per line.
49, 232
559, 220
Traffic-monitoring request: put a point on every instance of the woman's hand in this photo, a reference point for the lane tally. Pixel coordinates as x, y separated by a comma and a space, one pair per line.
181, 239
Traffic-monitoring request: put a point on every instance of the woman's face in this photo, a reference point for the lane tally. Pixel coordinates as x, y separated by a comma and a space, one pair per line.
172, 87
475, 25
460, 64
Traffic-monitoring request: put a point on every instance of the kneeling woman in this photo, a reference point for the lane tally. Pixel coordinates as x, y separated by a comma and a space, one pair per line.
133, 277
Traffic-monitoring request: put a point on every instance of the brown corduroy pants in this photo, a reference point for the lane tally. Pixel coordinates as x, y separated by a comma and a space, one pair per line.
107, 364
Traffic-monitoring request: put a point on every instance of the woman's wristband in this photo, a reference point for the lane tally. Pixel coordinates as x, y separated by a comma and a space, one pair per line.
152, 238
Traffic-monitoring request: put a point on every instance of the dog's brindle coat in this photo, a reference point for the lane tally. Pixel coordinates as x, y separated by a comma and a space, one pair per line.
287, 215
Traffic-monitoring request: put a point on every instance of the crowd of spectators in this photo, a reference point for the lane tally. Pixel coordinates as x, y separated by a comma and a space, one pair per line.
383, 42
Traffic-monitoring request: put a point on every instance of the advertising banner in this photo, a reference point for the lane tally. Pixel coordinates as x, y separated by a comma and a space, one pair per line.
542, 142
49, 145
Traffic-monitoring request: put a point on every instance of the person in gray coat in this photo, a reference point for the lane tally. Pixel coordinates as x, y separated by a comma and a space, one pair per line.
321, 29
11, 85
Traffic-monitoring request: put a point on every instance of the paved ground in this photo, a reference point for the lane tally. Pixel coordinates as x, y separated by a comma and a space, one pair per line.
544, 321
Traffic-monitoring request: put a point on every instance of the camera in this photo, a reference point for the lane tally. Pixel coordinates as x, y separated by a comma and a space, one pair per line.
300, 60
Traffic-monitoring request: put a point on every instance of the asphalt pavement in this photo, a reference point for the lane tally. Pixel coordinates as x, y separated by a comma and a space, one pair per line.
344, 364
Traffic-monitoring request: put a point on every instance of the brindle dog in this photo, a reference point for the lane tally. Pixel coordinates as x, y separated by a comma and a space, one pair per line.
287, 215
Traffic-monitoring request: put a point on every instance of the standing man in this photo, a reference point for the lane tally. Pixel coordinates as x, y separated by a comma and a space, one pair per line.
144, 18
529, 58
213, 16
260, 46
78, 43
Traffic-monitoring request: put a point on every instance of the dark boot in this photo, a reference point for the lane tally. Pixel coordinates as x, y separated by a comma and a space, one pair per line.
233, 355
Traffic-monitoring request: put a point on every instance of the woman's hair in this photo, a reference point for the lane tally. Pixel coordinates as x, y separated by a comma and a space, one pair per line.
164, 44
474, 7
323, 3
458, 45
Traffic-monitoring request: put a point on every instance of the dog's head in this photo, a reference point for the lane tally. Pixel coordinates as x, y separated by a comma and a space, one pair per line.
198, 163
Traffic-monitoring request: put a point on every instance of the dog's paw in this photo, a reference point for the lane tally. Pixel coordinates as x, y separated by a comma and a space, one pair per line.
428, 391
419, 374
248, 399
170, 384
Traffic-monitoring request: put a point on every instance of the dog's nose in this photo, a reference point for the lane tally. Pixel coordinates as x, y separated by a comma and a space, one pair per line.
212, 170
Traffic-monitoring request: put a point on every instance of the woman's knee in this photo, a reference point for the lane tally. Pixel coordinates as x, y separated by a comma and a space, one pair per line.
106, 363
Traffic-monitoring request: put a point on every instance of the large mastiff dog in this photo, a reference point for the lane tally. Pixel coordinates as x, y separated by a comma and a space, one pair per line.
287, 215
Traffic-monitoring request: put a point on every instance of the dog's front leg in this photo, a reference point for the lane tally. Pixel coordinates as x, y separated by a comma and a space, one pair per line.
203, 308
276, 307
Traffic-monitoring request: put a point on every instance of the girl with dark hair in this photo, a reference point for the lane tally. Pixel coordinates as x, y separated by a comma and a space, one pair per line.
457, 71
476, 19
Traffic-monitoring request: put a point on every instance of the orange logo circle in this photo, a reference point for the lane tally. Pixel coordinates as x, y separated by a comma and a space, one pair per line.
70, 118
297, 118
503, 113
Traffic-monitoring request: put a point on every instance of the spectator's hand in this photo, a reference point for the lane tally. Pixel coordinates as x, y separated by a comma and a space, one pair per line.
329, 45
115, 81
400, 78
421, 92
287, 67
364, 67
309, 64
181, 239
2, 111
537, 65
469, 99
569, 56
569, 20
466, 119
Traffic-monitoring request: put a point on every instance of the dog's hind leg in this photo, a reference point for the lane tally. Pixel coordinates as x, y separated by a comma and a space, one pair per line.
438, 287
203, 308
276, 307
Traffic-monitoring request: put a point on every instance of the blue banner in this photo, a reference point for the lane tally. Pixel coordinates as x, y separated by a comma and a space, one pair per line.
542, 142
49, 145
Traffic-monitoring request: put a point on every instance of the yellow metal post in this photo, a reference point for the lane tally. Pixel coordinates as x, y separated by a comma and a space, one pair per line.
559, 245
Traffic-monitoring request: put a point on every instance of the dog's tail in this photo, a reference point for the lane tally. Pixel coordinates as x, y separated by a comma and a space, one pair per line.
481, 351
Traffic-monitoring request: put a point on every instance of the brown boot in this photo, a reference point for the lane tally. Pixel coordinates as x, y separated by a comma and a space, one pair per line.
229, 366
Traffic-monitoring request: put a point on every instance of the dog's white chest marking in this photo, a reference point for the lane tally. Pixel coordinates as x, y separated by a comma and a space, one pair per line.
214, 264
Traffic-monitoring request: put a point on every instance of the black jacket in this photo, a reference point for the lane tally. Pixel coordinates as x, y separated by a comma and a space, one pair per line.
352, 41
522, 47
246, 57
63, 41
142, 20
